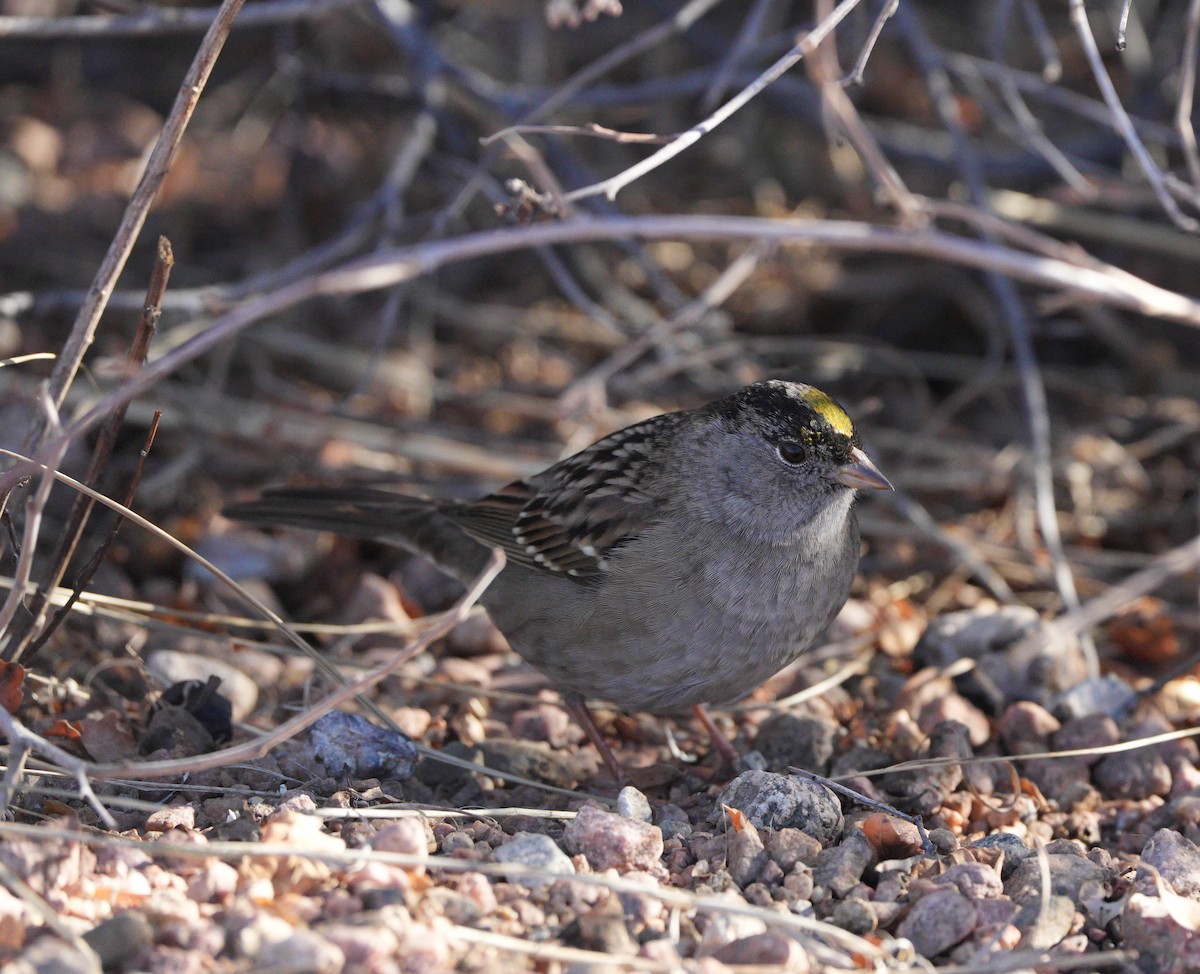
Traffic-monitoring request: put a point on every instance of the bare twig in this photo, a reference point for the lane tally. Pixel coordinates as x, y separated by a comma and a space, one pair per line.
163, 20
34, 507
89, 570
591, 130
106, 441
824, 68
747, 35
157, 167
1123, 23
1120, 119
1051, 61
1187, 91
613, 185
855, 77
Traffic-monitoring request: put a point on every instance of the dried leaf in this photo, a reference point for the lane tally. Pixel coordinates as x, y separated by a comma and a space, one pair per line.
107, 738
12, 678
736, 819
67, 729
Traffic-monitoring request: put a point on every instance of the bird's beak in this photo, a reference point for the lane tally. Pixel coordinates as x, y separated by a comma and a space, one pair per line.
860, 473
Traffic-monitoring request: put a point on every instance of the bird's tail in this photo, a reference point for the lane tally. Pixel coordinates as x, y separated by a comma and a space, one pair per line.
414, 523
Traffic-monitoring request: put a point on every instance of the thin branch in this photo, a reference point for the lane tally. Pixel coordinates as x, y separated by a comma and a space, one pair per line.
1051, 61
612, 186
1123, 23
1120, 119
160, 21
34, 507
824, 68
157, 167
855, 77
1187, 91
89, 570
591, 130
102, 452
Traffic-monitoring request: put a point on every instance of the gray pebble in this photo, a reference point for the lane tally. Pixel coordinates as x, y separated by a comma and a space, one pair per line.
805, 742
119, 938
746, 856
840, 868
631, 803
1176, 859
937, 922
530, 850
1015, 851
1044, 925
347, 742
1107, 694
996, 638
776, 801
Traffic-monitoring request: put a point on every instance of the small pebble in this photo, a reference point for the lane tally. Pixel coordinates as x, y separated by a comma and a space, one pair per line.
350, 743
841, 867
1176, 859
545, 722
789, 846
610, 841
1135, 775
174, 816
1093, 731
674, 822
855, 916
1044, 924
975, 880
1025, 727
776, 801
1020, 668
409, 836
747, 856
937, 922
120, 938
529, 849
1015, 851
790, 740
304, 951
765, 949
631, 803
1107, 694
956, 707
1068, 875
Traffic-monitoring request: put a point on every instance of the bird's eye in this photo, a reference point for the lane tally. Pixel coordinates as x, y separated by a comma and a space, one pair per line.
791, 452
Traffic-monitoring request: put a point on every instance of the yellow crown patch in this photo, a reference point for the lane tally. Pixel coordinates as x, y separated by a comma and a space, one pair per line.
830, 411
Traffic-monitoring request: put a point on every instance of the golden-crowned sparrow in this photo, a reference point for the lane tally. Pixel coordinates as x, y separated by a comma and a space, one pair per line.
679, 561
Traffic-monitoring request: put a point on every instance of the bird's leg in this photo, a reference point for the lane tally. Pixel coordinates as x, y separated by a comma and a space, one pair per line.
577, 707
722, 743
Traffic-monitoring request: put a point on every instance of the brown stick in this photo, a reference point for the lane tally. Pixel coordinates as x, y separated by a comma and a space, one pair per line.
106, 440
89, 570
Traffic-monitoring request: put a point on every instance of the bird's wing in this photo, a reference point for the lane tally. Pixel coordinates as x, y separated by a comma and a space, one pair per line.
573, 515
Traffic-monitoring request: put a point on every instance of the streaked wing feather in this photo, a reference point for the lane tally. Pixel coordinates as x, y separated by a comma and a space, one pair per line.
571, 516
